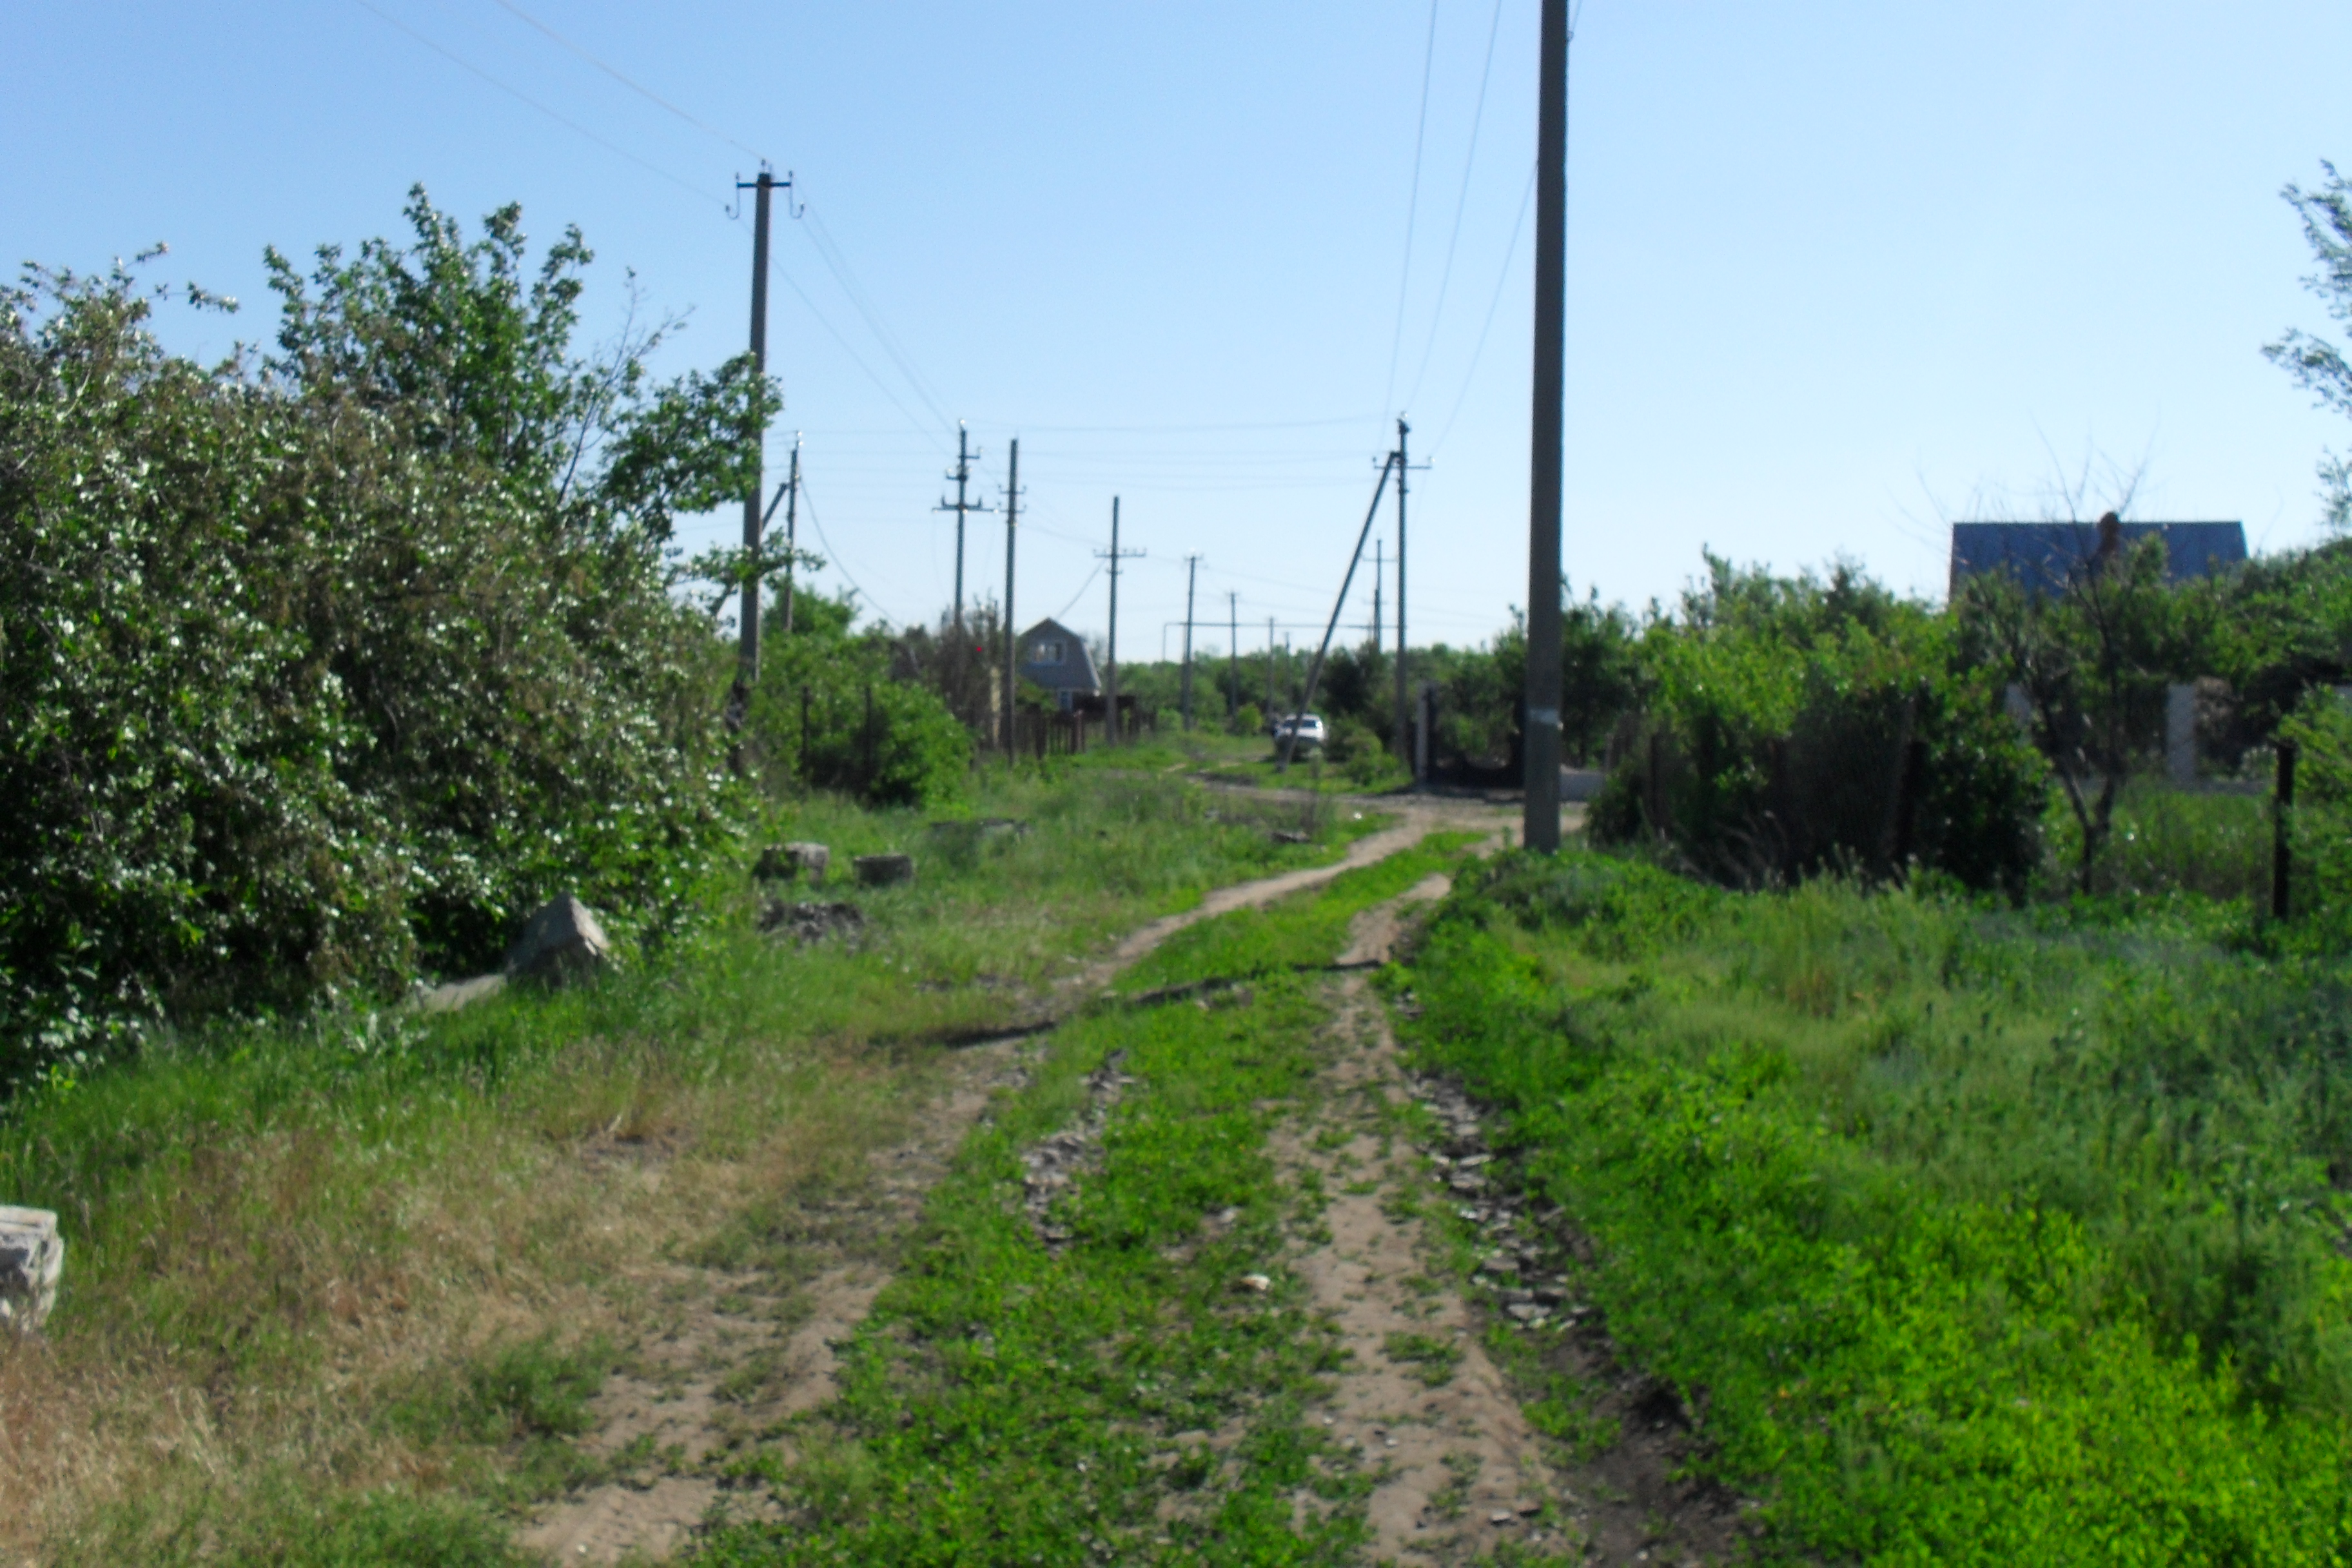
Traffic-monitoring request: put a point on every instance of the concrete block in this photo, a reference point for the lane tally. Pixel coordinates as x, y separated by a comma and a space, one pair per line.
884, 871
790, 862
32, 1261
560, 944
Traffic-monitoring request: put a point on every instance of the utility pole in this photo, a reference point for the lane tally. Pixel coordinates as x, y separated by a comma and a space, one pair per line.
1541, 735
1269, 668
1377, 545
1232, 657
1111, 720
792, 528
747, 662
1403, 465
961, 477
1012, 636
1192, 572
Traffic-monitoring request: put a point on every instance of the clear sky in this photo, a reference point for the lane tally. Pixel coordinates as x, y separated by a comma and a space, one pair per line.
1838, 273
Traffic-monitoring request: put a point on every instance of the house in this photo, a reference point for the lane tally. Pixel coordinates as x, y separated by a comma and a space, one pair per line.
2042, 556
1055, 657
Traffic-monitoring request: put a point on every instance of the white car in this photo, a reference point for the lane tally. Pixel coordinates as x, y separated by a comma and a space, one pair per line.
1309, 726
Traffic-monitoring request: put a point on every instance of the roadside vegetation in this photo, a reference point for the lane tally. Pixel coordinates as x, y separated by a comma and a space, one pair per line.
342, 1283
1967, 1235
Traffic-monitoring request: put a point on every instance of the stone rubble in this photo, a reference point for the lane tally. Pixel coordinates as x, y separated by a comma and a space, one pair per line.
1519, 1273
807, 922
1054, 1164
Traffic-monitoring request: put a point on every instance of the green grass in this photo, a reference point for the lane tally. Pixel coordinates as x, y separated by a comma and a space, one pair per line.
1294, 932
1986, 1237
275, 1227
1433, 1360
1127, 1399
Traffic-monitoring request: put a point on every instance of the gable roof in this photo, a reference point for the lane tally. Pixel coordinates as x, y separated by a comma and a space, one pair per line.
1073, 671
2042, 556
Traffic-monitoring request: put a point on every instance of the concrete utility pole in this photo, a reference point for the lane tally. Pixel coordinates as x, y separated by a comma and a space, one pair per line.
1232, 657
1011, 632
1403, 466
962, 476
1110, 677
792, 528
1376, 544
747, 662
1192, 572
1541, 735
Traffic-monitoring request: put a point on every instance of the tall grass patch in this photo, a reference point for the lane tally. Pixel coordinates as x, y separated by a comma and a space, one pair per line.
1977, 1236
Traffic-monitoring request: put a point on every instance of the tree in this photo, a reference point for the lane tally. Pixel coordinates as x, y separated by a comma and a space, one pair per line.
2318, 365
2093, 660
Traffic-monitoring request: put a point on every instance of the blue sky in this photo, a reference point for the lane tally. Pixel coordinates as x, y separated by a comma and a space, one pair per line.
1838, 273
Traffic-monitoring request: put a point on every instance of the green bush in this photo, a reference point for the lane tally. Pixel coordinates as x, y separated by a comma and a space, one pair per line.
321, 668
828, 715
1798, 727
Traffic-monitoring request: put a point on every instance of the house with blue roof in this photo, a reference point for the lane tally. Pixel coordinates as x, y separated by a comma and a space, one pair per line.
2044, 557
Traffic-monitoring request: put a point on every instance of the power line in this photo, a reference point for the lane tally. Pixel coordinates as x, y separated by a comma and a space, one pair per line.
837, 263
854, 357
1510, 255
831, 555
1469, 161
645, 93
520, 96
1412, 207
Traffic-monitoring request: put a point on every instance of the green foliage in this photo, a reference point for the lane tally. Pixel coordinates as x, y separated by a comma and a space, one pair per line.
1804, 726
885, 741
2318, 365
1991, 1237
323, 668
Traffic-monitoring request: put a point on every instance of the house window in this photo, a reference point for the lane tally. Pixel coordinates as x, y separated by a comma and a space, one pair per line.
1045, 652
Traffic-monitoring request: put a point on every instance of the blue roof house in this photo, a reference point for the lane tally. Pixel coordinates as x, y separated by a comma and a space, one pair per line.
2045, 556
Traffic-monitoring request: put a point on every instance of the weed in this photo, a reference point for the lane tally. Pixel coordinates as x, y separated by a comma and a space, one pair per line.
1432, 1359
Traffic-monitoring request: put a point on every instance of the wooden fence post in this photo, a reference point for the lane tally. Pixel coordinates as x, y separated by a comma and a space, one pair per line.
2282, 843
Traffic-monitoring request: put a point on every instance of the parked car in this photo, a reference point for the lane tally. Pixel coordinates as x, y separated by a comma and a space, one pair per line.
1308, 725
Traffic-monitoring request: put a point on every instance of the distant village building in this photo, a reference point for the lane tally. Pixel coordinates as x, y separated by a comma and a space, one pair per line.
2045, 556
1055, 657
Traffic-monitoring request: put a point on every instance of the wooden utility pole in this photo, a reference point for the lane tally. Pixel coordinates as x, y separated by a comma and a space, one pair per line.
1541, 734
1012, 632
747, 661
792, 528
1111, 673
1191, 574
962, 476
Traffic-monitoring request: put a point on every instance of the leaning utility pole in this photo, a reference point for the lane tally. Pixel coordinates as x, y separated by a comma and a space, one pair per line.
962, 476
1541, 734
1111, 719
1192, 571
747, 661
1012, 636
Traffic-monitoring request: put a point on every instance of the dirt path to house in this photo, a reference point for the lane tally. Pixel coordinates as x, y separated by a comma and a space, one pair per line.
1460, 1468
727, 1353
